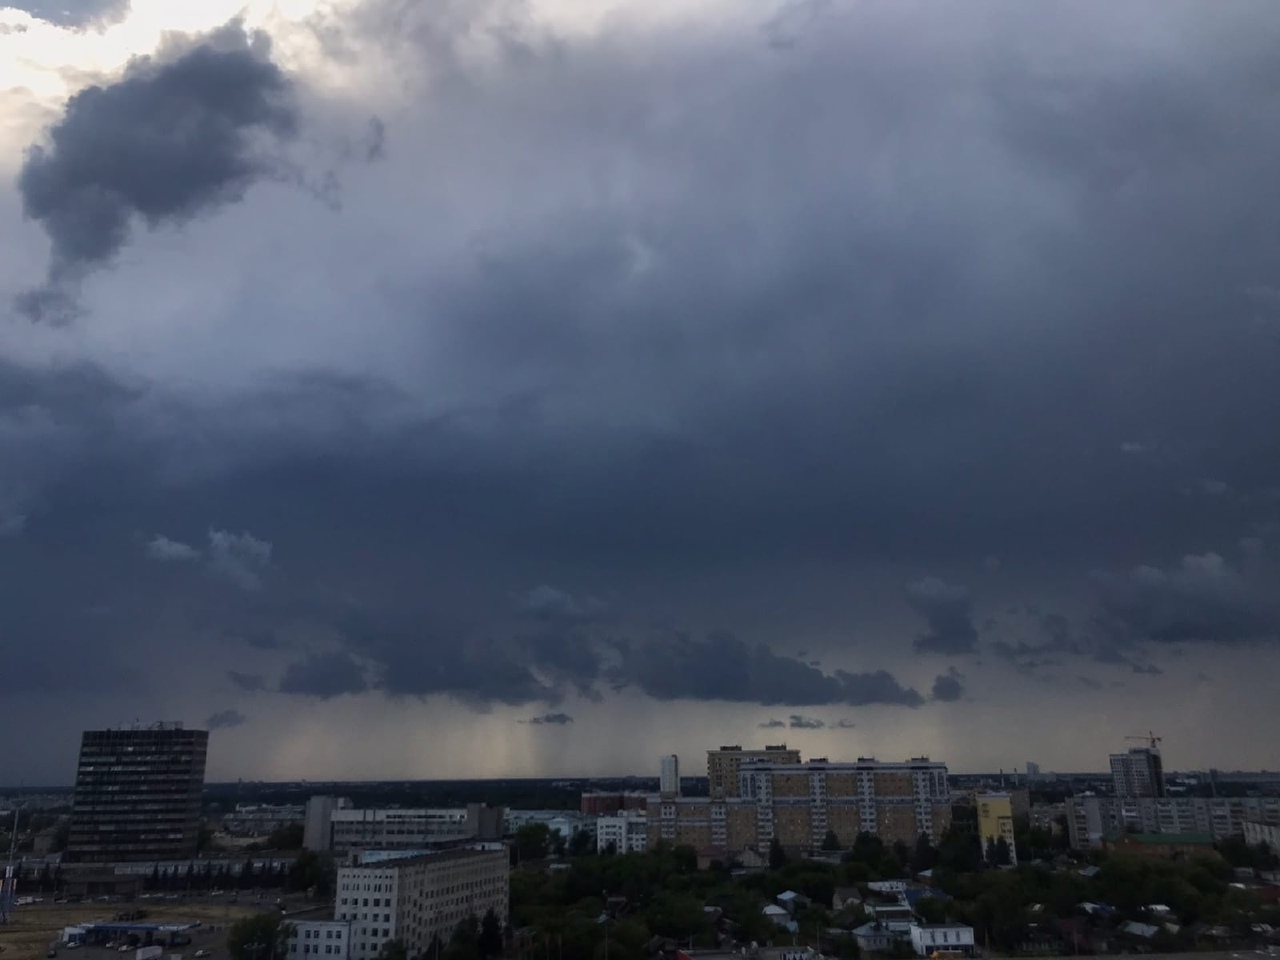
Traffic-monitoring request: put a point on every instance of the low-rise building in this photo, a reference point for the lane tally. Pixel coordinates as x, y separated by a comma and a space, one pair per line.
311, 938
1162, 846
928, 939
332, 824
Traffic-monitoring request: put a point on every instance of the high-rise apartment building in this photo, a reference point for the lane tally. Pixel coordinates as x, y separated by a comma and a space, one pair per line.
419, 898
724, 764
669, 778
137, 794
995, 822
1033, 770
799, 803
1138, 773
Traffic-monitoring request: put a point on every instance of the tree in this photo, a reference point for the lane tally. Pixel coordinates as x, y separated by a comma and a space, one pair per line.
394, 950
831, 841
1003, 856
925, 856
258, 937
580, 844
489, 942
464, 944
532, 841
686, 858
777, 856
288, 837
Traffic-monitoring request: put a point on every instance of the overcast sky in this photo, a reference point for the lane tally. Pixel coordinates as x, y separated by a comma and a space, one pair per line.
480, 387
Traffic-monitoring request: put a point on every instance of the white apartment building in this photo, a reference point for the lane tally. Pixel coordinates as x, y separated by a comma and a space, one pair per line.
627, 832
926, 938
333, 824
312, 938
416, 899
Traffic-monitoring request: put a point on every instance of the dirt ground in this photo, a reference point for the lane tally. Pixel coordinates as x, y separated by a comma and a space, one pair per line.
36, 927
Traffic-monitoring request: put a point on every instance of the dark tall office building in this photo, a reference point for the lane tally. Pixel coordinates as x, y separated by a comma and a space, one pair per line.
1138, 773
138, 794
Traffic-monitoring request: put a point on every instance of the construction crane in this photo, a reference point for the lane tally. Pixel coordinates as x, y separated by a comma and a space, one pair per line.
1151, 739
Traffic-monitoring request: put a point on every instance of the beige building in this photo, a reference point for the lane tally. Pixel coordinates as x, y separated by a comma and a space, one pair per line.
798, 804
417, 898
724, 765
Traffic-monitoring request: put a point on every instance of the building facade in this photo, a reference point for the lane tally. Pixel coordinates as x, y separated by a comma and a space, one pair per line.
418, 899
723, 766
799, 803
1090, 819
338, 827
623, 833
1138, 773
312, 938
995, 822
137, 794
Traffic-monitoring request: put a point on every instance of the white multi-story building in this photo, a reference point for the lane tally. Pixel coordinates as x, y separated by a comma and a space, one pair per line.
417, 899
311, 938
626, 833
1138, 773
1091, 818
669, 777
930, 938
1268, 833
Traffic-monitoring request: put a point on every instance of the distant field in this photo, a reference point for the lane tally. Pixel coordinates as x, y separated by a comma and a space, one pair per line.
36, 927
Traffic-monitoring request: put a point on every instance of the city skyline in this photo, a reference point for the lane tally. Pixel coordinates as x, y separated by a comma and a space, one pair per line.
535, 389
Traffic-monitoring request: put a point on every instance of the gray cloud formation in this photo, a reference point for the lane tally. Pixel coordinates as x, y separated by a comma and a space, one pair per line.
948, 687
948, 609
226, 719
550, 719
773, 723
164, 550
73, 13
240, 558
176, 136
844, 723
324, 675
248, 682
800, 722
1203, 598
722, 667
550, 603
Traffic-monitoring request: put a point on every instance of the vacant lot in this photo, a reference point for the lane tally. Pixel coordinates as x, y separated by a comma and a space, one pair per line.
35, 928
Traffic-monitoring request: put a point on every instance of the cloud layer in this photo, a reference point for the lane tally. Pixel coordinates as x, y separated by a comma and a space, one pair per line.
652, 350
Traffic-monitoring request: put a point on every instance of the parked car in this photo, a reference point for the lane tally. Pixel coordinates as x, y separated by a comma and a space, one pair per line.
201, 953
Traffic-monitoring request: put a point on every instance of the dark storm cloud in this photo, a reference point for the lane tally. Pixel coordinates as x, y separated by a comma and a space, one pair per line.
175, 137
800, 722
1203, 598
324, 675
722, 667
550, 719
226, 719
948, 609
948, 687
248, 682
